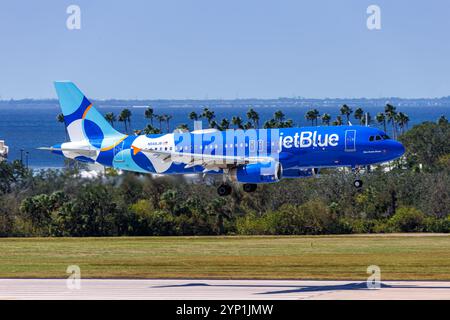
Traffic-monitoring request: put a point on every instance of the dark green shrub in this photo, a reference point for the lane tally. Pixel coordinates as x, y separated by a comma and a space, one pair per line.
407, 219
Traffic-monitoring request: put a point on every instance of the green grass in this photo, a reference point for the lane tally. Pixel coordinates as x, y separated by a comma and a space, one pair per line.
400, 257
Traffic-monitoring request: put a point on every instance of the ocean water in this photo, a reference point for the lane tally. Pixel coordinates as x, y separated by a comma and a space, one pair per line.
27, 127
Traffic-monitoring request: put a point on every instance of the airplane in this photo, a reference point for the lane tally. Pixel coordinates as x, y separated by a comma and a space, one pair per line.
249, 157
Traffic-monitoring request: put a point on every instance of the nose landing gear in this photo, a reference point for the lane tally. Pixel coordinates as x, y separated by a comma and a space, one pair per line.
357, 183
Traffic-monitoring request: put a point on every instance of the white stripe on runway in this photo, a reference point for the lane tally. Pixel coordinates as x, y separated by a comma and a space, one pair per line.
156, 289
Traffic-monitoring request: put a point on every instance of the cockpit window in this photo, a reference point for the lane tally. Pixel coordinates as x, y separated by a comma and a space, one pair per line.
379, 137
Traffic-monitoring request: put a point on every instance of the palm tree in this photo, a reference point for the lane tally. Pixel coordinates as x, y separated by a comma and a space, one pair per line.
279, 116
390, 112
168, 118
193, 116
338, 121
346, 111
60, 119
149, 114
359, 115
213, 124
288, 123
316, 115
149, 129
208, 115
122, 119
237, 121
253, 116
125, 117
248, 125
224, 124
272, 123
367, 119
183, 127
381, 118
405, 120
160, 119
442, 121
111, 118
312, 115
326, 118
402, 119
309, 116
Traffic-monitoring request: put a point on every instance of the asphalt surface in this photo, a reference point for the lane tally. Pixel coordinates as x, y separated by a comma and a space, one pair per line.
92, 289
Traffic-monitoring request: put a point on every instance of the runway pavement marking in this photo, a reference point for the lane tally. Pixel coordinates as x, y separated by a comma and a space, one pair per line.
160, 289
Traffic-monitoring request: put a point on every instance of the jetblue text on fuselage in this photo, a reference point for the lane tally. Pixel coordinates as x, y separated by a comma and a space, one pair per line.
309, 138
251, 142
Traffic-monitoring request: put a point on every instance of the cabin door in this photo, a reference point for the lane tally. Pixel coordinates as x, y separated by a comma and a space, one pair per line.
118, 155
350, 140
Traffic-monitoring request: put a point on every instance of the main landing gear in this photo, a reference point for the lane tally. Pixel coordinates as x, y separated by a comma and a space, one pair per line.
225, 189
249, 187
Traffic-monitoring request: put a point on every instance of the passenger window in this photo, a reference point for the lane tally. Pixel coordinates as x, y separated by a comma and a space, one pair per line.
378, 138
371, 138
260, 145
252, 146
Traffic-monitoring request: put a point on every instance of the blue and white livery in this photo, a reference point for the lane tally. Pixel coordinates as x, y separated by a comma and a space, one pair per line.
247, 156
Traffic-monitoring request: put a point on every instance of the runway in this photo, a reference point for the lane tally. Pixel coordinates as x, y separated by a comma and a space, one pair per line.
161, 289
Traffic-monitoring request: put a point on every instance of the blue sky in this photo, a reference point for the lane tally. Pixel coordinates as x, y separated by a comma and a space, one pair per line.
226, 49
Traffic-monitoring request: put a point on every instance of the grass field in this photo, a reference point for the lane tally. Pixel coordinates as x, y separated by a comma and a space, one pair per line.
400, 257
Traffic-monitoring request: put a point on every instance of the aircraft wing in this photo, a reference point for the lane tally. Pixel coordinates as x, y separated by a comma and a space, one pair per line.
208, 161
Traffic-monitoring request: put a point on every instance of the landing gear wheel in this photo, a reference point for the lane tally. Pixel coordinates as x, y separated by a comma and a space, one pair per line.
249, 187
357, 184
224, 190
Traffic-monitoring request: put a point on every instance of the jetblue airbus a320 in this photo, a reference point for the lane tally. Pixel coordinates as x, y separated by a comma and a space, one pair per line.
247, 156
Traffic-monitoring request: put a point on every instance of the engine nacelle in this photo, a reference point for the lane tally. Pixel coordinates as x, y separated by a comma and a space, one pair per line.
257, 172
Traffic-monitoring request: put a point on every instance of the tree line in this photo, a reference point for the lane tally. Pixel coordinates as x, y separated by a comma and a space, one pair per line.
158, 123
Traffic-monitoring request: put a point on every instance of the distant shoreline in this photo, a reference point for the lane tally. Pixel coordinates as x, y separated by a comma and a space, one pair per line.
256, 102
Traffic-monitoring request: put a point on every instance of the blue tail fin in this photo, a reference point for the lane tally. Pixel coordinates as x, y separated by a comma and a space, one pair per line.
82, 120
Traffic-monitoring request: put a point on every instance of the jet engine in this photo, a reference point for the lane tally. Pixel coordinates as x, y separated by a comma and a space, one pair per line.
257, 172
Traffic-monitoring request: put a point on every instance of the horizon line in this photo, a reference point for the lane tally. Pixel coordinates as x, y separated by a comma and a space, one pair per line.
299, 98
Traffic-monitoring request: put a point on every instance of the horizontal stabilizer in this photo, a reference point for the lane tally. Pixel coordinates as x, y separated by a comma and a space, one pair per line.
84, 152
